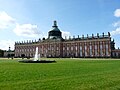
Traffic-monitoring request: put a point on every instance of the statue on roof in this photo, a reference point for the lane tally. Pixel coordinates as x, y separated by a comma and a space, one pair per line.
55, 23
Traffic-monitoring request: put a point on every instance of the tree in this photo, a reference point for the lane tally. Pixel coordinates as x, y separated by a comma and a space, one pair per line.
1, 53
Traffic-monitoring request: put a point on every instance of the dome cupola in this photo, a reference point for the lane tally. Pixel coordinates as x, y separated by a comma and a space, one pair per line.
55, 33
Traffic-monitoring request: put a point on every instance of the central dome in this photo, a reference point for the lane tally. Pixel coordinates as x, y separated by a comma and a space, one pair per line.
55, 33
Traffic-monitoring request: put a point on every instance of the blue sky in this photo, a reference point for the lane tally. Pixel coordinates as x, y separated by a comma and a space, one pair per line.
32, 19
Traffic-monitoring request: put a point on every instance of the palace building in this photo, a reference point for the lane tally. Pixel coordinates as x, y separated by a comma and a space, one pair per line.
79, 47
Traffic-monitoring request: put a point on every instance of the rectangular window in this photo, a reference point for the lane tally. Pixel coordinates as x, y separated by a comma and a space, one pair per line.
106, 49
90, 50
76, 48
57, 48
67, 48
96, 50
101, 52
80, 51
85, 50
72, 48
63, 48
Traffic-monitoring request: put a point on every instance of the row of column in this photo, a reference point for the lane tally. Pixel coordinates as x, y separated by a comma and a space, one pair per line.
87, 49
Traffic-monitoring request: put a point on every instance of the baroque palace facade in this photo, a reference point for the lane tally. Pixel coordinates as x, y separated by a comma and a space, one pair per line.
56, 46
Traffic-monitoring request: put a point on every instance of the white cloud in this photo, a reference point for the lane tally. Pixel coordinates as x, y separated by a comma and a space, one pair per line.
5, 20
27, 30
4, 44
65, 34
116, 24
116, 32
117, 13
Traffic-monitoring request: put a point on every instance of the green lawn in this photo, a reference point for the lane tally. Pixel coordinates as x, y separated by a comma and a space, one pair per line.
66, 74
